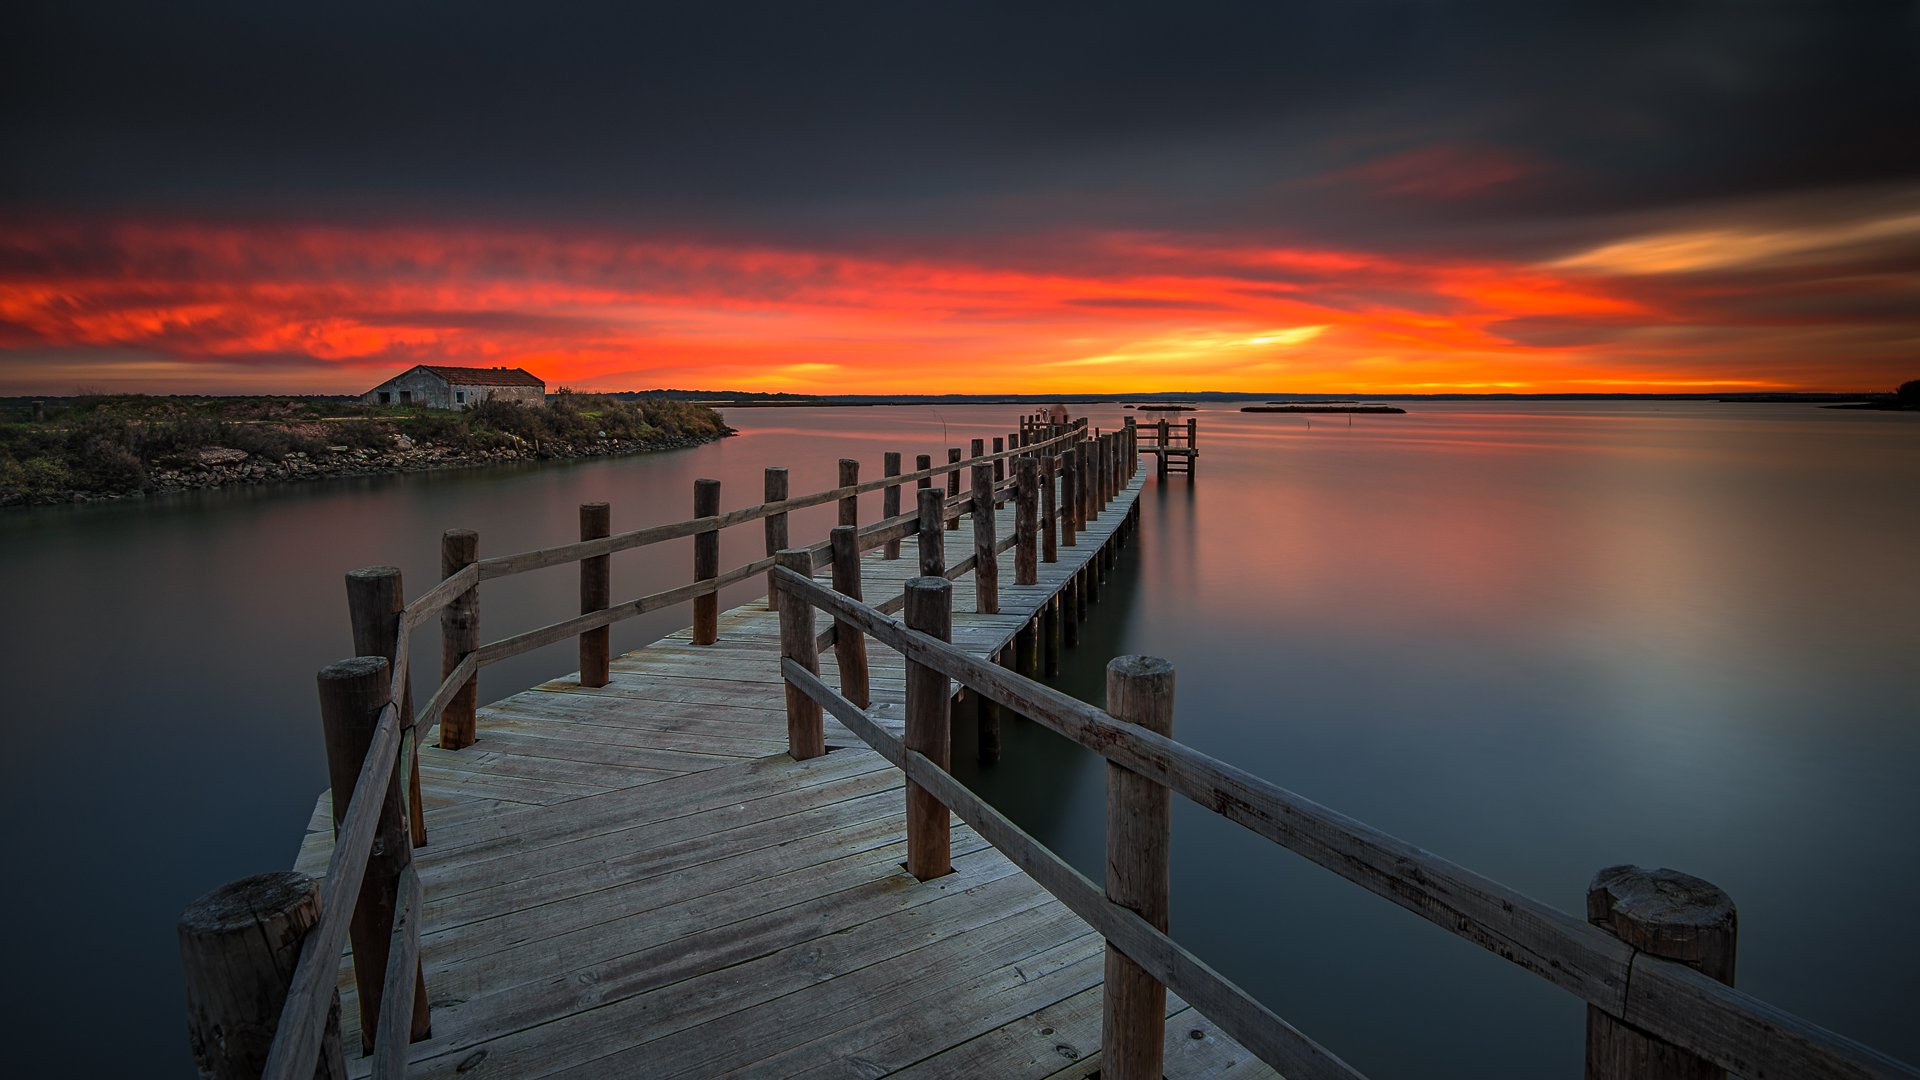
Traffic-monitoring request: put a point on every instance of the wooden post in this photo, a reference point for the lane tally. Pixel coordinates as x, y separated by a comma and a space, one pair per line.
1139, 831
933, 545
986, 732
986, 564
1050, 634
352, 695
921, 463
929, 730
1026, 649
1099, 475
890, 499
1070, 611
1166, 449
596, 592
806, 735
1049, 528
849, 643
1069, 497
1089, 484
239, 945
459, 635
1080, 597
375, 599
999, 471
1674, 916
953, 481
849, 504
706, 563
775, 491
1026, 522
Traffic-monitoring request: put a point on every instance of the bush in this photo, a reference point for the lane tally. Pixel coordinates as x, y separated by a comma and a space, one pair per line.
362, 435
106, 465
271, 441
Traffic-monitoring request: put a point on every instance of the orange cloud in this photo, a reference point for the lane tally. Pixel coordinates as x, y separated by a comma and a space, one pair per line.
160, 306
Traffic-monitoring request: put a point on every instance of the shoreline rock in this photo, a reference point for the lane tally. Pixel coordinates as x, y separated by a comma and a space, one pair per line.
221, 467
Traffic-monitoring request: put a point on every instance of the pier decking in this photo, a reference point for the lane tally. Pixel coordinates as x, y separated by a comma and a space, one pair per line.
636, 880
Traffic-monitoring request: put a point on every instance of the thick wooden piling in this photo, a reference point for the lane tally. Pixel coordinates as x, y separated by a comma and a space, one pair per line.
1089, 484
890, 499
1139, 834
849, 644
353, 693
929, 610
375, 600
1049, 527
921, 463
953, 481
596, 592
986, 729
999, 471
238, 946
1164, 454
1069, 498
1674, 916
986, 567
1070, 611
776, 524
1050, 635
1026, 649
706, 563
933, 555
459, 636
1026, 523
806, 734
849, 504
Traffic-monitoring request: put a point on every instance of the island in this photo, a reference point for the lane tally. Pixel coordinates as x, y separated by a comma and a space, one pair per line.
1323, 407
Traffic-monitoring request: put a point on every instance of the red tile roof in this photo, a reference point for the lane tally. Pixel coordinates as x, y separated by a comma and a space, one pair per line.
480, 376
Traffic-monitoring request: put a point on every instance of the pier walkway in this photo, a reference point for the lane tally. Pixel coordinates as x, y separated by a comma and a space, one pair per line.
636, 880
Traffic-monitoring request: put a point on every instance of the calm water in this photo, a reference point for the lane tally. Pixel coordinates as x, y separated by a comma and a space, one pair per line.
1536, 639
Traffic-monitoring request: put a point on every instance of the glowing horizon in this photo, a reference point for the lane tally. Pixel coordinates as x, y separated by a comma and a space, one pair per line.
186, 306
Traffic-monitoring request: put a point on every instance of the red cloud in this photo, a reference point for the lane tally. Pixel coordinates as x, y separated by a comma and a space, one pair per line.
273, 307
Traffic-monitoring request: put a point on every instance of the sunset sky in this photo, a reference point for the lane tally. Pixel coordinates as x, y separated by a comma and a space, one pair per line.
1353, 197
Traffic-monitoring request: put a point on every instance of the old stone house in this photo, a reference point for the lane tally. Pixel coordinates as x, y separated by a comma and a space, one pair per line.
435, 387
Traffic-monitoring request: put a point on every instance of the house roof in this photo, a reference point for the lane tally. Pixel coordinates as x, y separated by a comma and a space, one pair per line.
480, 376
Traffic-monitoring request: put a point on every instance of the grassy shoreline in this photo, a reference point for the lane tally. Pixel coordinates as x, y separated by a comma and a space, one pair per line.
101, 446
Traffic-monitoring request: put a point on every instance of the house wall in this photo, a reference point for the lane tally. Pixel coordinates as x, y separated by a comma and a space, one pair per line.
428, 390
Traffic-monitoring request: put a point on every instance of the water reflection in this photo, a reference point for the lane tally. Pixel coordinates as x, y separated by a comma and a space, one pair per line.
1538, 640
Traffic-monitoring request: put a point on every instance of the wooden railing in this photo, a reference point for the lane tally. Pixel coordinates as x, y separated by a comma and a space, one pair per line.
1174, 446
371, 893
1653, 960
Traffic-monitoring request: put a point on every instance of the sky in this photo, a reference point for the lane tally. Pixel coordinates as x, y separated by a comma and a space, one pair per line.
1351, 197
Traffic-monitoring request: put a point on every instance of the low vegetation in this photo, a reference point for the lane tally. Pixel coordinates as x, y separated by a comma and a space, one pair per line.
119, 444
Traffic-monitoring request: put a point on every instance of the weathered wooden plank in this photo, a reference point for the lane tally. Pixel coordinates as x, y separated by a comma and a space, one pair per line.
638, 1000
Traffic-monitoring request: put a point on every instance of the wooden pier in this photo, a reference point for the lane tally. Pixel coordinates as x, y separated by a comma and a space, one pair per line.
1175, 447
735, 851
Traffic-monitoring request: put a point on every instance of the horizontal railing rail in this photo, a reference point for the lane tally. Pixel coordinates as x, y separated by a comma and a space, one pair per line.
1667, 999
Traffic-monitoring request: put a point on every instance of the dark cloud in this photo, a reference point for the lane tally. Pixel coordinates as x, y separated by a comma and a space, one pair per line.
1460, 126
